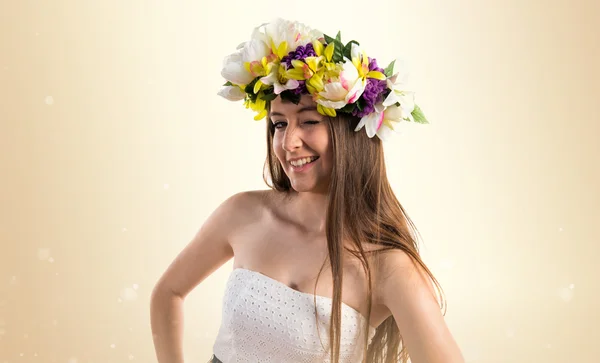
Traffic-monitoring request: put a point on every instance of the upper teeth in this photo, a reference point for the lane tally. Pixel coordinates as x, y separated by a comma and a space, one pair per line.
303, 161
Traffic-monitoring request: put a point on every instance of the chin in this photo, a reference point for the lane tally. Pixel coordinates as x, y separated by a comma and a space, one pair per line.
306, 188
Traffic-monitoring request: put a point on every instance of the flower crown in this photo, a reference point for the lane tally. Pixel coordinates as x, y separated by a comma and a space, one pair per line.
288, 59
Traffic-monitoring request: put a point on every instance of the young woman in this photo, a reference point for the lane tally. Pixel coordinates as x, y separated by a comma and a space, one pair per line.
326, 262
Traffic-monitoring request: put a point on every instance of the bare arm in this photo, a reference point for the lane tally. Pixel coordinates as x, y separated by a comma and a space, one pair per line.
166, 311
407, 292
207, 251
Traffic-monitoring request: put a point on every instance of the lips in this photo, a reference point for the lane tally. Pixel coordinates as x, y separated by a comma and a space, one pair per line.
305, 160
304, 166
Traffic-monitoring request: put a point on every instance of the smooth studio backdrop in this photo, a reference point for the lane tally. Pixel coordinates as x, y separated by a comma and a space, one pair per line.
114, 149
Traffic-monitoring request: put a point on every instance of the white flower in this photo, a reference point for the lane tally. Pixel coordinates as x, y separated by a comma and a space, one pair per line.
232, 93
233, 65
233, 69
294, 33
259, 46
401, 93
381, 122
342, 90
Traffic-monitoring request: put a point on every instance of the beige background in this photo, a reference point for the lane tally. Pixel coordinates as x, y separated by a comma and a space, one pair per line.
115, 148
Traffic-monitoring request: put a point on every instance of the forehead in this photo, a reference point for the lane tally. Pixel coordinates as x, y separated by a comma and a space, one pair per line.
281, 107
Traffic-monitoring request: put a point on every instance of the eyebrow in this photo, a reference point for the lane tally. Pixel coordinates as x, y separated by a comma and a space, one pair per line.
303, 109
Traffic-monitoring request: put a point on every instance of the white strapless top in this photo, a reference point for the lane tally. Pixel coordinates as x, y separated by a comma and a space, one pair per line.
264, 320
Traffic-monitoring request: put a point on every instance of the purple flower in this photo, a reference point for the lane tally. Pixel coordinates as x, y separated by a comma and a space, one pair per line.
301, 88
373, 93
373, 65
300, 54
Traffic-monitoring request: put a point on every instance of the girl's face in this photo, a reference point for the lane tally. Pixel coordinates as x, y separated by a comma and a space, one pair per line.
302, 144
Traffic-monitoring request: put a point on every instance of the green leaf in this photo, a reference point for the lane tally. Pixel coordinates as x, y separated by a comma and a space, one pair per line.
338, 52
348, 108
348, 48
338, 47
419, 116
328, 39
250, 86
290, 96
389, 69
269, 97
228, 84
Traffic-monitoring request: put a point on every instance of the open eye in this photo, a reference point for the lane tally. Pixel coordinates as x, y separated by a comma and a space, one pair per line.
279, 124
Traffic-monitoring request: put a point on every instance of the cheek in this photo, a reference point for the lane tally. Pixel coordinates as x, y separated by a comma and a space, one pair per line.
277, 148
326, 146
326, 153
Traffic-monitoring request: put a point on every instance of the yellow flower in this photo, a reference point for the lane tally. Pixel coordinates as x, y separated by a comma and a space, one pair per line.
325, 110
361, 62
259, 106
277, 78
310, 70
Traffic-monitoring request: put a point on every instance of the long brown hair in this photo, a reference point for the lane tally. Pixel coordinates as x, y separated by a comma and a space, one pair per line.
362, 208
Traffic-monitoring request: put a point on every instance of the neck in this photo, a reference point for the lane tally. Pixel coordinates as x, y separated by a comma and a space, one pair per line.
309, 210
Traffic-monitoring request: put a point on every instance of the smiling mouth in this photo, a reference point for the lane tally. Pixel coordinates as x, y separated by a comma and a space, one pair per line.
304, 161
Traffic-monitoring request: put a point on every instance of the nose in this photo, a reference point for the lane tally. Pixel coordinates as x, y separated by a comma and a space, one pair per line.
292, 139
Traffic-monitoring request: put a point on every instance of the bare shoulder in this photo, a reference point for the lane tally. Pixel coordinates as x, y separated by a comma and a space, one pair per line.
399, 269
237, 212
260, 202
249, 205
243, 202
211, 246
246, 210
394, 259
